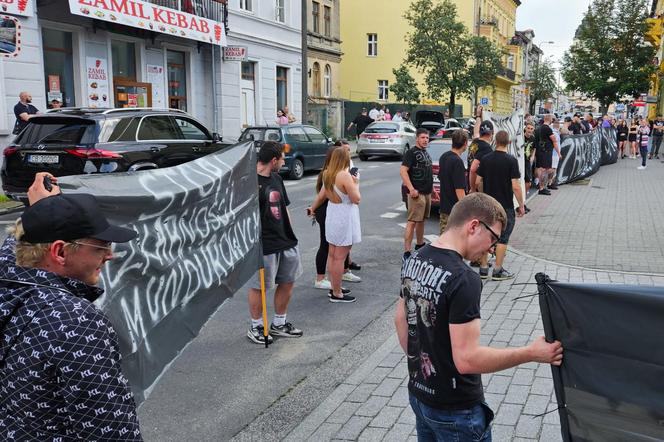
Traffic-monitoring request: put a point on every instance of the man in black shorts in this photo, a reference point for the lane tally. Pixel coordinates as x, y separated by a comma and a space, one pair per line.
546, 142
438, 325
499, 176
452, 176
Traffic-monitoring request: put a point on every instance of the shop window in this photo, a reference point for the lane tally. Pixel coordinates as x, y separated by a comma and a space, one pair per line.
124, 59
282, 87
58, 67
177, 80
315, 73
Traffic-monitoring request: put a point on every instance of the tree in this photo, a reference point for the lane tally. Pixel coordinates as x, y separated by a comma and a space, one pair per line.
609, 57
543, 83
452, 61
405, 87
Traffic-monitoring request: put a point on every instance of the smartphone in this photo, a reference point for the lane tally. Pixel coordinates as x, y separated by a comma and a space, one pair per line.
48, 184
353, 171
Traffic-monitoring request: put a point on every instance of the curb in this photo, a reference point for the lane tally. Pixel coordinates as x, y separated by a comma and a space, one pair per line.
12, 209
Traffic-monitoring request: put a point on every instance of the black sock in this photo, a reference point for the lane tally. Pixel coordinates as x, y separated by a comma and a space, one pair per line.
419, 246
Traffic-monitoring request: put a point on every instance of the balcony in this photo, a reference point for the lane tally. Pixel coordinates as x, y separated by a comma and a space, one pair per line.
507, 73
210, 9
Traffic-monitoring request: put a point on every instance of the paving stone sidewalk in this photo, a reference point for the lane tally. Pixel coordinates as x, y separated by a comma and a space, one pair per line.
372, 404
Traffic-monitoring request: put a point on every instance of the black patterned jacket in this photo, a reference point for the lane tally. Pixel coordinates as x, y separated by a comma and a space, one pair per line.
60, 376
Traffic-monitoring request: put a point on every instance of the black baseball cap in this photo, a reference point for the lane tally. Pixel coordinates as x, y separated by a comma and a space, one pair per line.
486, 127
69, 217
568, 119
578, 114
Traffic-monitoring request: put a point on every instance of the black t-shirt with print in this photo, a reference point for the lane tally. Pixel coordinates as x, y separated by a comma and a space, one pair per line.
575, 128
420, 169
497, 171
452, 176
658, 129
362, 121
544, 142
477, 149
276, 232
438, 290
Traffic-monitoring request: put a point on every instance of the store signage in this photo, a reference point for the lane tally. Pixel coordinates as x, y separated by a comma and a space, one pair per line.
144, 15
235, 53
10, 36
157, 77
97, 82
18, 7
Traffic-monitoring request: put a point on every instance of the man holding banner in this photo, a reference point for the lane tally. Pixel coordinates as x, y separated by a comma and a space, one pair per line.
281, 256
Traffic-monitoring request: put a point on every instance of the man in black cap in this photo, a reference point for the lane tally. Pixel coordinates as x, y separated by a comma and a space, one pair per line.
575, 127
480, 146
60, 373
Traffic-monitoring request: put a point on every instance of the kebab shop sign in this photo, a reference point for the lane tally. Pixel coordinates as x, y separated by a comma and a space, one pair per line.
18, 7
144, 15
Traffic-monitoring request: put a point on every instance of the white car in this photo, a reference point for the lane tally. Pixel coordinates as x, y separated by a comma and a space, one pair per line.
386, 138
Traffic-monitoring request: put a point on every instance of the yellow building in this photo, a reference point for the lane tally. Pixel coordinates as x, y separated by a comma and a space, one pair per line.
654, 36
374, 42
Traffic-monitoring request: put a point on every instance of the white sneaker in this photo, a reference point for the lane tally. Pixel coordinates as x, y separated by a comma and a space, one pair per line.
349, 277
641, 167
323, 284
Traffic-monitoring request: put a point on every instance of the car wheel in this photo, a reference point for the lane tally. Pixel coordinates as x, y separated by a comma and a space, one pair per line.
297, 170
363, 157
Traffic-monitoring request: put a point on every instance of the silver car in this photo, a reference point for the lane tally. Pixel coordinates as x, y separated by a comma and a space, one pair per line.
386, 138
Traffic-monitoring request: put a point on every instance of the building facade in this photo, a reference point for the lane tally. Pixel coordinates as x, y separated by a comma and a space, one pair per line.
325, 107
529, 58
654, 37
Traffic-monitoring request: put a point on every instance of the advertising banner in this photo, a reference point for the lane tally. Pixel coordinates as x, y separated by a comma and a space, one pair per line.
25, 8
157, 77
97, 82
235, 53
199, 242
152, 17
608, 387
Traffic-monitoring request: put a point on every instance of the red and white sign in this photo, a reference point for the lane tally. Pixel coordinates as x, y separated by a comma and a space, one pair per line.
18, 7
97, 82
235, 53
144, 15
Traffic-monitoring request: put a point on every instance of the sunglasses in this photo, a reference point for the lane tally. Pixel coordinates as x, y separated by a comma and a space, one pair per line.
107, 249
494, 234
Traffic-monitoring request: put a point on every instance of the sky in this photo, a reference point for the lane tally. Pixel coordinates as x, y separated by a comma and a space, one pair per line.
552, 21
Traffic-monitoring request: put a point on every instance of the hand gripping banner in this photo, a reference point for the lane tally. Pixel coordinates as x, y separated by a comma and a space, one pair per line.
610, 385
199, 242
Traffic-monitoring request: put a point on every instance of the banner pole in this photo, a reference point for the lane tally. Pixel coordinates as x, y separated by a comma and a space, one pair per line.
261, 272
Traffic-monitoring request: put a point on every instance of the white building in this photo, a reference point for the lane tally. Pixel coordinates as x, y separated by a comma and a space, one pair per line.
154, 53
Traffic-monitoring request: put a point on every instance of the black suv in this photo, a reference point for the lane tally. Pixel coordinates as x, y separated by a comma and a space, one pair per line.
73, 141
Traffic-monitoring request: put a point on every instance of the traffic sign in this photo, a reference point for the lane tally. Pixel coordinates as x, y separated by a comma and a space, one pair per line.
484, 101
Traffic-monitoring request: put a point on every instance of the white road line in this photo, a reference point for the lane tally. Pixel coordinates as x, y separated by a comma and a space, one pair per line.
402, 225
8, 222
373, 167
388, 164
389, 215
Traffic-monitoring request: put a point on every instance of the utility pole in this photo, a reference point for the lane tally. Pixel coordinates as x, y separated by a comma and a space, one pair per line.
305, 64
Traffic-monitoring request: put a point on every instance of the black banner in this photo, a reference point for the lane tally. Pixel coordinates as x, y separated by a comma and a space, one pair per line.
610, 385
584, 154
199, 242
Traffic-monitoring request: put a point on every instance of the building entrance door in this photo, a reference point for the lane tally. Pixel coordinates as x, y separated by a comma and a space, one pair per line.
129, 93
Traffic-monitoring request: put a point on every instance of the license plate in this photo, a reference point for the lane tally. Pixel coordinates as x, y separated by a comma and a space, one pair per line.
43, 159
376, 140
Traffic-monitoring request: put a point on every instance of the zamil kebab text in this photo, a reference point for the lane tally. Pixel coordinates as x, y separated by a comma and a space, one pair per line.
149, 16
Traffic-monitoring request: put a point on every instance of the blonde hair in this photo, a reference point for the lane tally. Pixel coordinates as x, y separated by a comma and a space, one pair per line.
339, 160
478, 206
29, 254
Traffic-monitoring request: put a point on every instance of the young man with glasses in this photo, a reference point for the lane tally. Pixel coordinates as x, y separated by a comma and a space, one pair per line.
438, 325
60, 373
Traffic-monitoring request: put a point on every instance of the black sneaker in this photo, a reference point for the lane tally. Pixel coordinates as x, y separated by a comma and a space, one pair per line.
256, 335
344, 291
405, 257
501, 275
544, 192
479, 264
526, 209
484, 273
354, 266
553, 187
287, 330
344, 298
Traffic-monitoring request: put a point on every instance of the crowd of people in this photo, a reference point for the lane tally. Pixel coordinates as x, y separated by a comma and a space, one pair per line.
377, 113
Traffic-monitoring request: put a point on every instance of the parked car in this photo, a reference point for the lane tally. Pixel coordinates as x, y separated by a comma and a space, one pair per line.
429, 120
385, 138
451, 125
305, 146
436, 149
73, 141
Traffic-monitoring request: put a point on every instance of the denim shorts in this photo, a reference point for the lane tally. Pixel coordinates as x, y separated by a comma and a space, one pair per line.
433, 424
509, 227
280, 268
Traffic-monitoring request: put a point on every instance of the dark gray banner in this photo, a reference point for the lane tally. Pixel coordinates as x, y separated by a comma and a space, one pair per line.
609, 387
584, 154
199, 242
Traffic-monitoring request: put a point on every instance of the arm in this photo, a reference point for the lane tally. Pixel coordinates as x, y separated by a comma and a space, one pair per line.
403, 171
320, 199
460, 193
37, 190
554, 140
349, 184
474, 187
401, 324
516, 188
470, 357
24, 116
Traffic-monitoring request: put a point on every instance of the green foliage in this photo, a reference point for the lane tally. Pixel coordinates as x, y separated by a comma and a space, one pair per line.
609, 57
543, 77
405, 87
453, 62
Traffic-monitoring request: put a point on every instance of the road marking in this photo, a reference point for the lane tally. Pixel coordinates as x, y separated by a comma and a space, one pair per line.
402, 225
387, 164
389, 215
373, 167
7, 222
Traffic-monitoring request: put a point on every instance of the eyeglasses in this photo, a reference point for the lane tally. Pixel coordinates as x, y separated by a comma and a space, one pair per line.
107, 249
494, 234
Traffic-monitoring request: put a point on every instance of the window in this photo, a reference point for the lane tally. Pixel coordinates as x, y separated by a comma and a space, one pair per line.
158, 128
315, 73
246, 5
191, 130
327, 17
282, 87
372, 45
510, 62
328, 80
124, 59
315, 15
382, 89
118, 129
58, 66
297, 134
177, 80
280, 11
248, 70
314, 135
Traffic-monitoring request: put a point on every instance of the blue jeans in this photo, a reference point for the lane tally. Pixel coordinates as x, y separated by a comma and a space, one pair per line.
644, 153
437, 425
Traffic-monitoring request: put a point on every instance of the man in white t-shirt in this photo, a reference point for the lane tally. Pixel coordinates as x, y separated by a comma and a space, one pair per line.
373, 113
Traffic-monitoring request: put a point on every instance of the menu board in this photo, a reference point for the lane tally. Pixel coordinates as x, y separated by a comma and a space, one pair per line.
156, 76
97, 82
